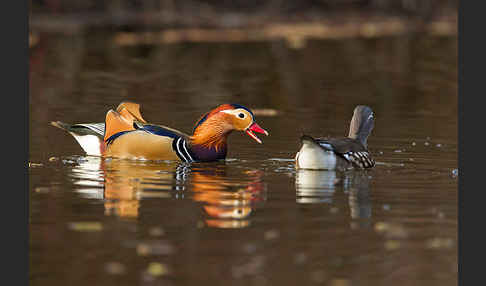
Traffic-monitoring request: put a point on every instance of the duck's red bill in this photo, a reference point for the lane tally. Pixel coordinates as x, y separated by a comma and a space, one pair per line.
255, 128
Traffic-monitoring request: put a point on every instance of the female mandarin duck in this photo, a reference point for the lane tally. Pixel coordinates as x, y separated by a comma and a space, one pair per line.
340, 153
125, 134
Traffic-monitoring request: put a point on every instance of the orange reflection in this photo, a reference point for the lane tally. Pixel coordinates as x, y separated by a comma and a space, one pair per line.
126, 182
227, 200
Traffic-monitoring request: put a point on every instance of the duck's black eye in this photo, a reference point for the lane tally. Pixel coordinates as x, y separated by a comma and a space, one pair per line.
241, 115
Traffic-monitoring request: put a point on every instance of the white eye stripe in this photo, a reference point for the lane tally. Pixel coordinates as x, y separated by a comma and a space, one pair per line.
229, 111
235, 112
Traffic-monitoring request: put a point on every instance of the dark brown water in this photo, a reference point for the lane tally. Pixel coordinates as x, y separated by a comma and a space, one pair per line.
252, 220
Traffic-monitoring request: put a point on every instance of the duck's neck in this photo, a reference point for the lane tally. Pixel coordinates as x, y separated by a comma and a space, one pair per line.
360, 128
209, 140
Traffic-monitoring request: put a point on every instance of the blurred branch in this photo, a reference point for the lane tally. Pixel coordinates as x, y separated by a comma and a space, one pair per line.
294, 34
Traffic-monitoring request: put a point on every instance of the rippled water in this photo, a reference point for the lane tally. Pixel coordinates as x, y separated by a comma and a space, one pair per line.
253, 219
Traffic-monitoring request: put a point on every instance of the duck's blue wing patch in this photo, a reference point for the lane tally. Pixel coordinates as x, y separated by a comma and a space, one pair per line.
326, 145
114, 136
154, 129
158, 130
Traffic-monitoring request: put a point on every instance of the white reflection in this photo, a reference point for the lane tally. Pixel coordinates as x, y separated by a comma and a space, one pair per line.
88, 175
359, 197
313, 186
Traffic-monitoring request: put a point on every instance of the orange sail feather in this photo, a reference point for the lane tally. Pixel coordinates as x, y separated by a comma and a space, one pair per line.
115, 123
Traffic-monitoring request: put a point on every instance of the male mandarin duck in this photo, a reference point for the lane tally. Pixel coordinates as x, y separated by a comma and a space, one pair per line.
340, 153
125, 134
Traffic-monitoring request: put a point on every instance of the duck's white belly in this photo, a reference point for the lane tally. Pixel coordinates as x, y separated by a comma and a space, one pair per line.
90, 143
310, 157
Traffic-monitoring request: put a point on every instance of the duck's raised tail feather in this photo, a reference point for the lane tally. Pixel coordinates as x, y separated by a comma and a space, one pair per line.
89, 135
61, 125
97, 129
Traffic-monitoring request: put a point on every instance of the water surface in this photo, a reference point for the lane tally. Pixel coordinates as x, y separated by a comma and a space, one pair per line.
253, 219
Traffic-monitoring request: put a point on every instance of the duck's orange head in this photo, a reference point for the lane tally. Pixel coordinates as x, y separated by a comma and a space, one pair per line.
228, 117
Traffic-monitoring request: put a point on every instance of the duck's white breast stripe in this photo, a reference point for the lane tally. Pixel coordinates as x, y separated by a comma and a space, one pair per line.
187, 152
179, 150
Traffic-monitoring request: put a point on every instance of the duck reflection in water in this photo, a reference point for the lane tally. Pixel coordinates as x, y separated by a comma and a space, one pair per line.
227, 200
323, 186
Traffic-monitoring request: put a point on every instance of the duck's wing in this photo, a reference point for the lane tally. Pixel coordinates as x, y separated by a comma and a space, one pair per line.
349, 149
122, 120
116, 125
127, 117
159, 130
151, 142
128, 135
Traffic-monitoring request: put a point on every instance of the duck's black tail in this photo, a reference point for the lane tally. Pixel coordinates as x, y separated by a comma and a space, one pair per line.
88, 135
97, 129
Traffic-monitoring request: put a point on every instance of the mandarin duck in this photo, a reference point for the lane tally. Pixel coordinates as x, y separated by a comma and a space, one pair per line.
340, 153
125, 134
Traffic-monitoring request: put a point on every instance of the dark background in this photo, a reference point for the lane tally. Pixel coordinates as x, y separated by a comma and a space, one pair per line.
133, 13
